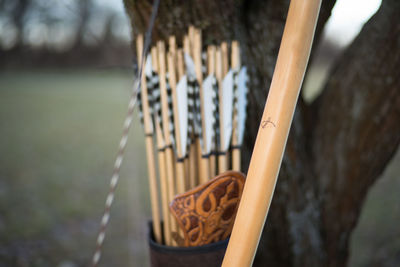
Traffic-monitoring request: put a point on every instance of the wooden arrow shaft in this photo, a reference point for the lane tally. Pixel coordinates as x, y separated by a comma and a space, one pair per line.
236, 157
149, 149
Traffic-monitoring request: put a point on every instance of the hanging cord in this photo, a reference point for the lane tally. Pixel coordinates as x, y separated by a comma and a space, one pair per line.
123, 142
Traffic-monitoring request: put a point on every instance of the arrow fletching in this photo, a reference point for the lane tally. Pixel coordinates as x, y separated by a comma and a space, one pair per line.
190, 67
182, 97
216, 131
156, 105
148, 68
241, 92
194, 99
171, 126
209, 119
149, 87
226, 110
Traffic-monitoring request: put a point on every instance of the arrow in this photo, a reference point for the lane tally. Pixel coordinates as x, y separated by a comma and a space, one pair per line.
180, 167
204, 174
148, 128
167, 124
239, 104
192, 139
225, 104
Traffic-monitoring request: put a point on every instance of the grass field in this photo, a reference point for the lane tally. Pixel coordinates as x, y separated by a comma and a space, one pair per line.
59, 134
59, 131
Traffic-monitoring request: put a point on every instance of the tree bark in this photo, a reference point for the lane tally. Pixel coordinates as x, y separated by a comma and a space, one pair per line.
357, 126
338, 145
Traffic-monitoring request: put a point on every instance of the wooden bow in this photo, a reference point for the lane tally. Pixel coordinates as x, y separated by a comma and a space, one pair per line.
273, 132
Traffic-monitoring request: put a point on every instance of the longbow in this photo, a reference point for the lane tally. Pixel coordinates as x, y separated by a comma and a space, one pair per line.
273, 132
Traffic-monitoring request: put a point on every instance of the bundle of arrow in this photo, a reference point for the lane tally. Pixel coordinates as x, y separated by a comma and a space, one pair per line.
192, 104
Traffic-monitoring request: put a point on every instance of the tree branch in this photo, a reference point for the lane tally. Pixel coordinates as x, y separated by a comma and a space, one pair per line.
357, 128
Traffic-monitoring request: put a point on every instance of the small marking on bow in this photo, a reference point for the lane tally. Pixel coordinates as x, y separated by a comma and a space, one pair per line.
267, 122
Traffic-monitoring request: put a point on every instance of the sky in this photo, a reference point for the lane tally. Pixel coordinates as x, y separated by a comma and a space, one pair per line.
347, 19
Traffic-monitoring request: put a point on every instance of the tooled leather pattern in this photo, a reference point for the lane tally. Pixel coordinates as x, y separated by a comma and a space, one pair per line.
206, 214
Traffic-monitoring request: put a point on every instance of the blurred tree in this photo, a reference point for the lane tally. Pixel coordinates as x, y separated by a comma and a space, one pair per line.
338, 145
83, 9
62, 33
16, 11
80, 22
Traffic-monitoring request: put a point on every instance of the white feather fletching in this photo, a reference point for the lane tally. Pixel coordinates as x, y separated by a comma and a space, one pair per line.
209, 118
242, 102
226, 110
182, 99
148, 68
190, 67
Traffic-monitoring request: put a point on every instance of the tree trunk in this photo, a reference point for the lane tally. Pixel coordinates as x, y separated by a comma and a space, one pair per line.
357, 126
338, 145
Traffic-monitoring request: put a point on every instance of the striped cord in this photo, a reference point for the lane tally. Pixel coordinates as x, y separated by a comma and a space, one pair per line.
122, 144
140, 106
115, 176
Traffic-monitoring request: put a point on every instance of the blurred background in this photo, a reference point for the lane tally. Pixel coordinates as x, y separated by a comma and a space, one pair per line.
65, 78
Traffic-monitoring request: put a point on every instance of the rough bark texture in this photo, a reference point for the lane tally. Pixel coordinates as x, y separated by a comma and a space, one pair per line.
338, 145
357, 127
